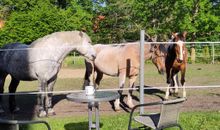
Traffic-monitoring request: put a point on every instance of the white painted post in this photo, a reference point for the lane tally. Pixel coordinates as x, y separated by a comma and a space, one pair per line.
213, 53
142, 70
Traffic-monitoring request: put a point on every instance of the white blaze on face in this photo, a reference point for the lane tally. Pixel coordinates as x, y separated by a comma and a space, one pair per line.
180, 44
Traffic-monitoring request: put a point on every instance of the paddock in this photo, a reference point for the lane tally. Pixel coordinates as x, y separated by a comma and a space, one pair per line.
203, 94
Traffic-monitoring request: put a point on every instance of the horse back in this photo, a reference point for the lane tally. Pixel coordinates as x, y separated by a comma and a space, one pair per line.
111, 59
15, 61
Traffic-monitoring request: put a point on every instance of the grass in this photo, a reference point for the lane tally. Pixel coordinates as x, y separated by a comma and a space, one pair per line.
197, 74
189, 121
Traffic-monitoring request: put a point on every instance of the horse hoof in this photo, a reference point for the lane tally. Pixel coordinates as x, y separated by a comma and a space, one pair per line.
51, 112
175, 94
117, 109
42, 114
130, 105
16, 109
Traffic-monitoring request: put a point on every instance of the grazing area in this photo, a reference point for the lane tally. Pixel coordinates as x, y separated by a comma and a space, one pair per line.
202, 105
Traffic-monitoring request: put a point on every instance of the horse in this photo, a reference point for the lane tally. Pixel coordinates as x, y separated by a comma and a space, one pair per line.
41, 60
122, 60
176, 61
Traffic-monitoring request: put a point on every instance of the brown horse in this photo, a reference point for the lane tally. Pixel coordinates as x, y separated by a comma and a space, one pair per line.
123, 60
176, 61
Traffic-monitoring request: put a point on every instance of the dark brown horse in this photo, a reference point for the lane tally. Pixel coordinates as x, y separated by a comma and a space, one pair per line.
176, 61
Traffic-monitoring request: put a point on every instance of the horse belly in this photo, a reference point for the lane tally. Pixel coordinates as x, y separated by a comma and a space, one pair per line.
108, 68
21, 70
46, 69
21, 74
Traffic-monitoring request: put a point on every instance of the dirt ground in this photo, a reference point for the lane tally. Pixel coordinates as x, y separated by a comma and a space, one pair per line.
65, 108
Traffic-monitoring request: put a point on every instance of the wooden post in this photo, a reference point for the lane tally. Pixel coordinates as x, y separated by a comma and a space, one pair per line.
2, 23
192, 49
193, 53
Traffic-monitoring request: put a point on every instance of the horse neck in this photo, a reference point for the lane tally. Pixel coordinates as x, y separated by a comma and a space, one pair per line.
147, 52
66, 49
58, 50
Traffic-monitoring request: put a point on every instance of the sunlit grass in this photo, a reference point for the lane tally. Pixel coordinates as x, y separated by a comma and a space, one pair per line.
189, 121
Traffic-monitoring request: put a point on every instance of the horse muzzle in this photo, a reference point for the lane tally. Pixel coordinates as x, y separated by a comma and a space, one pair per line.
161, 71
179, 60
90, 56
93, 57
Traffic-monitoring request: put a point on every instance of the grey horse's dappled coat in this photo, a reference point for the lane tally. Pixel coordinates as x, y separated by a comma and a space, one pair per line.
40, 61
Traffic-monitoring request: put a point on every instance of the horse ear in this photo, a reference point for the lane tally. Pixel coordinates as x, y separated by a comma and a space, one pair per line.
184, 34
154, 47
148, 36
174, 35
81, 34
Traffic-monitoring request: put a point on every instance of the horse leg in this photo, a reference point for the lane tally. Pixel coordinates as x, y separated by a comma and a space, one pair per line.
2, 82
122, 78
169, 82
183, 81
12, 89
98, 79
176, 82
88, 74
168, 75
167, 92
49, 97
41, 99
131, 85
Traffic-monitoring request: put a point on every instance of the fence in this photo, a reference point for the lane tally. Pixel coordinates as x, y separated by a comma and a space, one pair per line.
205, 52
208, 52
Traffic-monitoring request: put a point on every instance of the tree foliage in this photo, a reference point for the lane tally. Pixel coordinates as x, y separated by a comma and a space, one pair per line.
27, 20
31, 19
200, 18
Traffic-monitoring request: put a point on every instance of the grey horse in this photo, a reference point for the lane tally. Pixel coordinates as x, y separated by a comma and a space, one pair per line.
41, 60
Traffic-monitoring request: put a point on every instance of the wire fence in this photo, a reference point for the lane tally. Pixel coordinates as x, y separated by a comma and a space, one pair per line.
114, 89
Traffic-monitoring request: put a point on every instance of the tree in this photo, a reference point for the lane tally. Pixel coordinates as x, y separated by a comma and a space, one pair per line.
41, 18
115, 27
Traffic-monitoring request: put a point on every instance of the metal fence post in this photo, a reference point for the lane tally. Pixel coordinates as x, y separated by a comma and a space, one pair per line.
142, 70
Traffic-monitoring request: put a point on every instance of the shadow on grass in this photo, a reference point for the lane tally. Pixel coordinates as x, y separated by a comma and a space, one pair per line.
78, 126
57, 98
27, 105
151, 91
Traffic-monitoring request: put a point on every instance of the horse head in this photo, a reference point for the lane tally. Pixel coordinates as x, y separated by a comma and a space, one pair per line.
158, 56
86, 47
179, 46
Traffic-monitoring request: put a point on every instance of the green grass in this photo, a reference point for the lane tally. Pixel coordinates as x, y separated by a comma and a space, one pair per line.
188, 120
74, 61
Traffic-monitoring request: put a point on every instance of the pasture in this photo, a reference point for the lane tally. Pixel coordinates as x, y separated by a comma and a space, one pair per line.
202, 107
